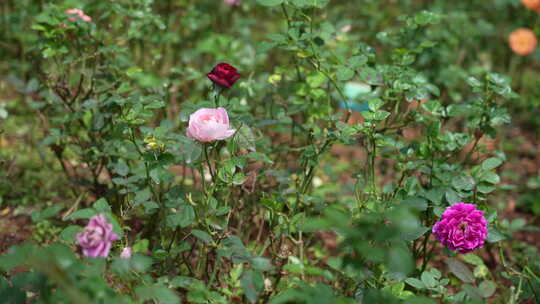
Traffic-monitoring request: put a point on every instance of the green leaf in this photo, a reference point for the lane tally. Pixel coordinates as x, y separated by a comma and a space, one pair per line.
158, 293
416, 203
491, 163
435, 195
260, 263
413, 234
487, 288
69, 233
201, 235
473, 292
102, 206
472, 259
252, 283
141, 246
316, 79
463, 182
82, 214
375, 104
46, 213
428, 279
357, 61
460, 270
183, 218
270, 2
416, 283
494, 235
310, 3
344, 73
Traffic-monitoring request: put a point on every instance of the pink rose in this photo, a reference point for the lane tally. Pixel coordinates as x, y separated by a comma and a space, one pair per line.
97, 237
232, 2
207, 125
462, 227
78, 14
126, 253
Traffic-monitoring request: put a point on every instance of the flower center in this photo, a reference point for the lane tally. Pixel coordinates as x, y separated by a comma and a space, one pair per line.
463, 227
208, 118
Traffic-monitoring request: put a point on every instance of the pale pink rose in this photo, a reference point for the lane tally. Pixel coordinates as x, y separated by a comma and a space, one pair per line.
77, 14
126, 253
207, 125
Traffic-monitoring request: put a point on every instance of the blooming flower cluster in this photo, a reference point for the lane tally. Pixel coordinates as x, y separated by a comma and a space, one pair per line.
78, 14
462, 227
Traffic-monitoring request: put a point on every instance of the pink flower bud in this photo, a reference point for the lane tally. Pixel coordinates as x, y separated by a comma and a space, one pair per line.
224, 75
207, 125
126, 253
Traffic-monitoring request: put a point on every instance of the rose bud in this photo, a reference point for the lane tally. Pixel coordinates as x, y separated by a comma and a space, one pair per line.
126, 253
224, 75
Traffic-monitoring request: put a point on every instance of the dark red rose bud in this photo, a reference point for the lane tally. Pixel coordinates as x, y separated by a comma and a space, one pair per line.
224, 75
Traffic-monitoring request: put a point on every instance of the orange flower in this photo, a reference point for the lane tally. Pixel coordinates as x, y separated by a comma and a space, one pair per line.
522, 41
533, 5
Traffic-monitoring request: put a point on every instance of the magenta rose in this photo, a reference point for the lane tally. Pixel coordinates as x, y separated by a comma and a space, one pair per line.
78, 14
207, 125
97, 237
462, 227
224, 75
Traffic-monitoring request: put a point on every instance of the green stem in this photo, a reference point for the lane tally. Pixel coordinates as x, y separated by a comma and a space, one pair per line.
207, 159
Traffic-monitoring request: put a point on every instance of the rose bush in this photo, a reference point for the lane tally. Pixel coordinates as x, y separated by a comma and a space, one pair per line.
328, 165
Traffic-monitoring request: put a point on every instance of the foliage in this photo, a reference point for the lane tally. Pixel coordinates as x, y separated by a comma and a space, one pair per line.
94, 120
